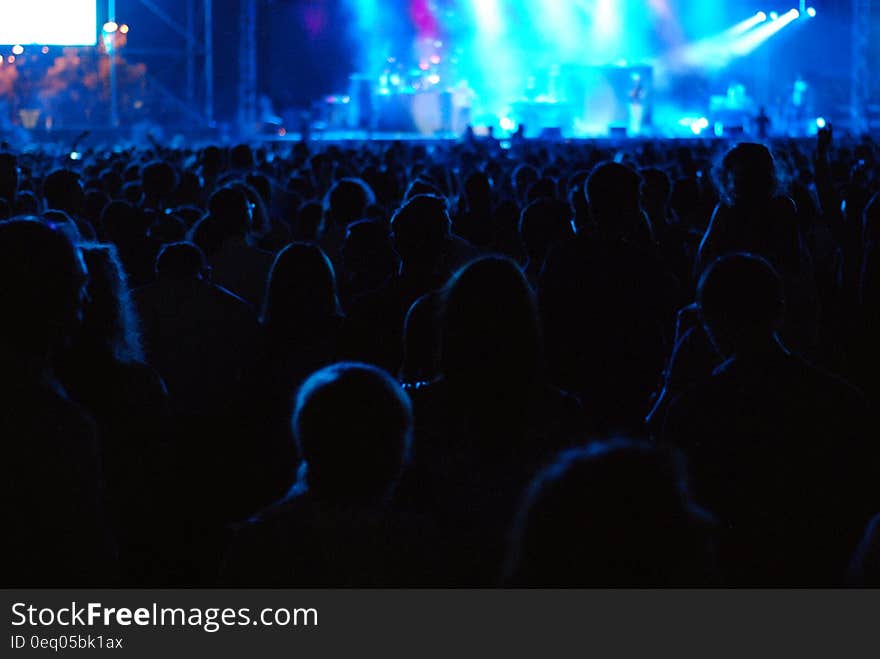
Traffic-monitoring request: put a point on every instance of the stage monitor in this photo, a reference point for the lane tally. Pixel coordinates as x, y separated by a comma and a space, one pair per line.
49, 22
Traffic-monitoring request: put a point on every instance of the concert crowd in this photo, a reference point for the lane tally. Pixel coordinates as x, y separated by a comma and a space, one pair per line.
453, 364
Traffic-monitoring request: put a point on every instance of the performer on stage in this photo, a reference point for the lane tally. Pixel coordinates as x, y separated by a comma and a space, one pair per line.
798, 109
762, 124
636, 106
463, 97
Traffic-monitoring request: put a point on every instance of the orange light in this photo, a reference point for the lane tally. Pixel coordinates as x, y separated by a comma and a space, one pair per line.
10, 59
123, 28
17, 49
45, 50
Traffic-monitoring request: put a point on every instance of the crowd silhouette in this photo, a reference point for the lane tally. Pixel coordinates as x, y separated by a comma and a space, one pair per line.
448, 364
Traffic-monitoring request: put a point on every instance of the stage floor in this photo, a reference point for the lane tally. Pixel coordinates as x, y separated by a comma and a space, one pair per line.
375, 136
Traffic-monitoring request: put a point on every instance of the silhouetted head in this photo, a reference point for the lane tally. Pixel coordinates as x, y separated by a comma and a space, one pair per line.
478, 191
63, 190
159, 181
166, 229
261, 184
577, 197
241, 157
421, 339
421, 187
189, 191
182, 260
747, 174
61, 221
347, 201
613, 193
231, 211
93, 205
26, 204
309, 224
8, 176
741, 301
656, 189
420, 228
368, 250
212, 161
685, 198
871, 220
109, 320
490, 325
524, 177
301, 289
259, 216
208, 234
122, 223
544, 223
613, 514
543, 188
352, 424
110, 181
42, 287
132, 192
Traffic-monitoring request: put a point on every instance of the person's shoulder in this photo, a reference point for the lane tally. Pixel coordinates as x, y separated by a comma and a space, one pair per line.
279, 513
260, 549
142, 377
460, 251
74, 414
275, 520
828, 386
48, 411
687, 318
782, 204
261, 255
231, 301
865, 567
694, 407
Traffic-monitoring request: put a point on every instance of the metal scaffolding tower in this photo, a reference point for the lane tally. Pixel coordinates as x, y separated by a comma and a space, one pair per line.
247, 68
860, 79
197, 103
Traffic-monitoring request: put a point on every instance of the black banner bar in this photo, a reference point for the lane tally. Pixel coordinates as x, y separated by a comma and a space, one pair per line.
448, 623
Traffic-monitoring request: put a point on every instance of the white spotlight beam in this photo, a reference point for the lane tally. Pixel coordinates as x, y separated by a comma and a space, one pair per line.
714, 51
744, 26
753, 40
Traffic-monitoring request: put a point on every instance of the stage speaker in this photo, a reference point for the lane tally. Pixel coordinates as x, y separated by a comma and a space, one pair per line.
617, 132
734, 131
361, 113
